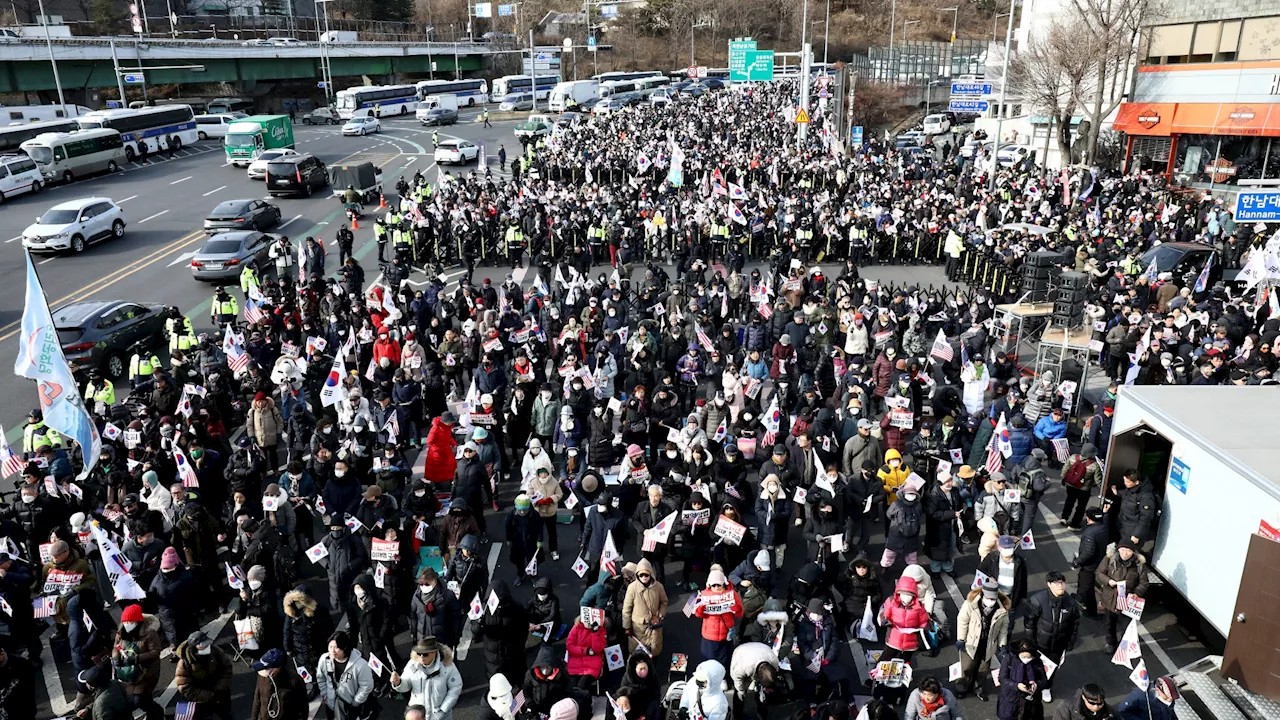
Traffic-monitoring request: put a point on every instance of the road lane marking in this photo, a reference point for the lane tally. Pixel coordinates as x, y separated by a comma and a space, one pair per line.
111, 279
152, 217
179, 180
46, 260
17, 237
464, 644
53, 682
411, 161
288, 222
224, 187
183, 257
126, 199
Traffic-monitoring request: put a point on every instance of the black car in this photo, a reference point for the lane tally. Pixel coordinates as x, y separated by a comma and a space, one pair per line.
712, 83
249, 214
100, 333
1185, 260
439, 116
296, 175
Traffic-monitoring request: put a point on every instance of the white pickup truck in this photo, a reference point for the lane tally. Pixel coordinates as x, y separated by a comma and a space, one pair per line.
535, 127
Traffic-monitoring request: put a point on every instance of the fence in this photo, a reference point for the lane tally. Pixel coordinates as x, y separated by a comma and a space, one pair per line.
920, 64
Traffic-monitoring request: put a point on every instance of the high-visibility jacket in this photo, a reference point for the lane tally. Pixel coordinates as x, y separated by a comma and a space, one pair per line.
142, 366
380, 232
515, 236
803, 235
248, 278
226, 307
183, 338
104, 393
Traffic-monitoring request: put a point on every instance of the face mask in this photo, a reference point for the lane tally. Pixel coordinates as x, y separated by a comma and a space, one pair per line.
130, 626
894, 463
909, 497
359, 591
328, 431
335, 534
419, 493
204, 651
546, 396
543, 595
832, 478
1025, 660
339, 473
28, 499
1006, 553
905, 598
988, 601
773, 489
255, 584
603, 508
672, 454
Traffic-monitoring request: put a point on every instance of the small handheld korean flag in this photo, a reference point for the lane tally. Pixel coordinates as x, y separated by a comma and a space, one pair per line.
233, 580
610, 555
317, 552
1139, 675
477, 608
532, 568
110, 432
302, 673
492, 602
185, 471
613, 656
375, 664
580, 567
1027, 542
6, 607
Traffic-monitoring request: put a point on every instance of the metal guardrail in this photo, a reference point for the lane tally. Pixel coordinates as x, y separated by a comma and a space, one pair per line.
145, 43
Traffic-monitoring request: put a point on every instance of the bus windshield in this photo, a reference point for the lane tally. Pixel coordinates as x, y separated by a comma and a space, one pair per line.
40, 154
346, 101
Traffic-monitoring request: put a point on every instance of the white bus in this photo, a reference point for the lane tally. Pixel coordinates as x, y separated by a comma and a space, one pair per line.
653, 82
12, 137
606, 76
66, 156
155, 128
609, 88
468, 92
377, 100
521, 84
22, 114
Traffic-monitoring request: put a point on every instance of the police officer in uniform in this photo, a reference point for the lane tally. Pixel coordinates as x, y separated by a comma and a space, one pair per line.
380, 236
346, 240
99, 393
224, 310
143, 363
179, 331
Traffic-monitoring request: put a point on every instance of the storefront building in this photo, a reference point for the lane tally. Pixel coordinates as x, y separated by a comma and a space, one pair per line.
1206, 101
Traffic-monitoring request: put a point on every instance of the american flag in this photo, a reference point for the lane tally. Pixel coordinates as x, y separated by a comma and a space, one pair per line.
302, 262
12, 463
392, 427
964, 355
732, 491
517, 703
942, 349
232, 345
185, 471
772, 421
703, 338
253, 312
609, 557
765, 311
718, 189
1061, 448
999, 446
185, 711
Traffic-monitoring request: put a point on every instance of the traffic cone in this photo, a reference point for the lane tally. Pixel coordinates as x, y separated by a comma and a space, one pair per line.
382, 201
355, 222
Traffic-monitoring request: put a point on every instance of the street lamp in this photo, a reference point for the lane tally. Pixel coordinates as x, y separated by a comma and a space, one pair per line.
955, 18
48, 40
994, 21
568, 45
1004, 86
906, 26
694, 26
326, 70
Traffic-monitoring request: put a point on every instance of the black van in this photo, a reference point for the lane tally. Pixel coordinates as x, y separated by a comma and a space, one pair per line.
296, 175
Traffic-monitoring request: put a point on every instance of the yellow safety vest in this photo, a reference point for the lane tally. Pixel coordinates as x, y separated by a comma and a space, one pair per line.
248, 278
143, 365
105, 394
228, 307
184, 340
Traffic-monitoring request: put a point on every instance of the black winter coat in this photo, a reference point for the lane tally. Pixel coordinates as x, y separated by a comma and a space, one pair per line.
1052, 622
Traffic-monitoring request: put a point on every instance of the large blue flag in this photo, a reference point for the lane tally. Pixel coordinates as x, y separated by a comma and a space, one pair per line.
40, 358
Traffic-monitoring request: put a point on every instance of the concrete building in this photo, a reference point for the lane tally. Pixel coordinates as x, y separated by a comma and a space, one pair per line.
1205, 104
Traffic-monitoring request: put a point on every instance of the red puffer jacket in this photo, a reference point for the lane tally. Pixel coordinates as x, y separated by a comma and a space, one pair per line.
904, 621
716, 627
441, 464
581, 639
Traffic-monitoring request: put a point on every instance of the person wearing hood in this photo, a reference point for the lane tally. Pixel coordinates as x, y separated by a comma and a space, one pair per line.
348, 559
535, 457
344, 679
306, 629
754, 580
471, 483
265, 424
943, 507
892, 475
1022, 677
374, 623
704, 697
260, 603
641, 685
434, 610
816, 663
982, 629
441, 464
1154, 703
906, 617
543, 608
644, 610
906, 526
498, 701
773, 511
175, 593
1089, 704
861, 585
466, 570
547, 682
431, 679
503, 631
278, 693
524, 536
719, 607
204, 675
136, 657
546, 493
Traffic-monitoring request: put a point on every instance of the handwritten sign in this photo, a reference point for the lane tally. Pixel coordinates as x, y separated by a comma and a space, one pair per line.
730, 531
388, 550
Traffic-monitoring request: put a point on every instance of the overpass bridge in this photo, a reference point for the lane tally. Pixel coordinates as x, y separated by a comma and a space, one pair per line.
86, 64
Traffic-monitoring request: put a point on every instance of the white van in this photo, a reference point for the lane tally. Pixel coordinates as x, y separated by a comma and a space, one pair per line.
18, 174
64, 157
214, 125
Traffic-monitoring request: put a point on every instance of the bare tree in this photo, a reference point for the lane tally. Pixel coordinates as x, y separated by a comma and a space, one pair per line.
1051, 75
1113, 26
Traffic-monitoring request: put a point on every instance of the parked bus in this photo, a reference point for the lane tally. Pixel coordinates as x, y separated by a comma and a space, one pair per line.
12, 137
146, 130
611, 76
63, 157
652, 82
22, 114
387, 99
521, 84
609, 88
468, 92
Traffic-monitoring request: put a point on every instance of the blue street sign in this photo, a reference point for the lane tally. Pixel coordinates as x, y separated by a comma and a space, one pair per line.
320, 84
591, 43
972, 106
134, 78
855, 136
1258, 206
506, 10
959, 88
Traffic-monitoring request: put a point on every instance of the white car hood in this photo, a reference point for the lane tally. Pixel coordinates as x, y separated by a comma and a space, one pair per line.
40, 230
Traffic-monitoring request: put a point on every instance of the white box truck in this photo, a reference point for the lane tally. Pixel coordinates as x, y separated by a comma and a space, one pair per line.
573, 95
1212, 455
431, 102
340, 36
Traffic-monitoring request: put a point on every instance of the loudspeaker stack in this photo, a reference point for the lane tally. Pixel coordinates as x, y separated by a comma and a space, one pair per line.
1069, 297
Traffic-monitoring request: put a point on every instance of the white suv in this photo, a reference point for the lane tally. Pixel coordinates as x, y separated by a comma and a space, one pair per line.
18, 174
74, 225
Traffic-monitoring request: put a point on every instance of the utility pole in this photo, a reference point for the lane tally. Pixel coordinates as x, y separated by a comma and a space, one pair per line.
1004, 87
893, 16
951, 53
826, 35
115, 62
48, 41
802, 132
326, 71
533, 72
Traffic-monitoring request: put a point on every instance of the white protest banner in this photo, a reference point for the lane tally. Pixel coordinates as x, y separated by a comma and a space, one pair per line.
730, 531
388, 550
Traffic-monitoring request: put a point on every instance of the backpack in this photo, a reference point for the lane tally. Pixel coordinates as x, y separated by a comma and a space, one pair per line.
909, 522
1075, 476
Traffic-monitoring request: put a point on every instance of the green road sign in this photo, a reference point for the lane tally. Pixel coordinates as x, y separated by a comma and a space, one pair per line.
738, 50
759, 67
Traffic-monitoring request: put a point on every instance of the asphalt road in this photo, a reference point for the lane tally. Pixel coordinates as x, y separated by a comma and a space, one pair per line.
165, 202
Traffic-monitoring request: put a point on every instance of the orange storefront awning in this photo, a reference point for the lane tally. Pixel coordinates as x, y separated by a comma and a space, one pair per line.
1164, 119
